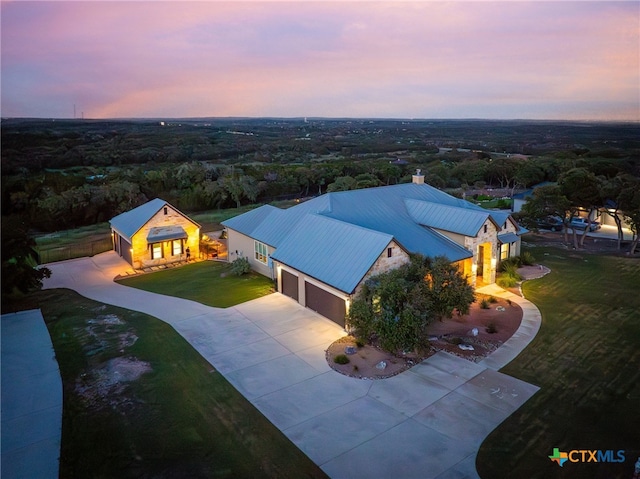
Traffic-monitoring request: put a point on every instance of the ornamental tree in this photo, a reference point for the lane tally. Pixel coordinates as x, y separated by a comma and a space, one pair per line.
398, 305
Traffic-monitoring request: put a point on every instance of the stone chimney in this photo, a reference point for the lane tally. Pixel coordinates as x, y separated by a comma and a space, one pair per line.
418, 178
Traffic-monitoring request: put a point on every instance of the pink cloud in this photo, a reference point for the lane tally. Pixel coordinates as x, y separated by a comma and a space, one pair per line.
333, 58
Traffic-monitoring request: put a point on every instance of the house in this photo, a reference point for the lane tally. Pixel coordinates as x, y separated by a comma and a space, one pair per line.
154, 233
322, 251
519, 199
605, 216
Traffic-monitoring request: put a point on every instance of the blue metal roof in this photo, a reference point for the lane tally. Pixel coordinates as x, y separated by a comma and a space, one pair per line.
383, 209
129, 222
337, 237
508, 238
166, 233
465, 221
332, 251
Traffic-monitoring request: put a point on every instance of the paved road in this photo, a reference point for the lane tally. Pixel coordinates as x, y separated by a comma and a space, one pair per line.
427, 422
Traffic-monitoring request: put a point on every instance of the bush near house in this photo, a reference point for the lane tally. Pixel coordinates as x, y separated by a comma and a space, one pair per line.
240, 266
396, 306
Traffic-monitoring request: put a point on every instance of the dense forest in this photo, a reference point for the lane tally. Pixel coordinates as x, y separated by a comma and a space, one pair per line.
59, 174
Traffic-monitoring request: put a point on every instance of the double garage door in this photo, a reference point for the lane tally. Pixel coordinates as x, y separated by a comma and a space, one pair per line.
319, 300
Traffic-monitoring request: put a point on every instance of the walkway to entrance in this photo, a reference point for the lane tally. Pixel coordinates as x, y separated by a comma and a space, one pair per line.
427, 422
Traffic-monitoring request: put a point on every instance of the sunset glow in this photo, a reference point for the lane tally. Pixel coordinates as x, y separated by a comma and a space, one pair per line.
537, 60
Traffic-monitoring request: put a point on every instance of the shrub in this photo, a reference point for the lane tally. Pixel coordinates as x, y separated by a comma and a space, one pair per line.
508, 264
491, 328
455, 341
506, 281
493, 299
527, 258
512, 270
341, 359
484, 304
359, 343
240, 266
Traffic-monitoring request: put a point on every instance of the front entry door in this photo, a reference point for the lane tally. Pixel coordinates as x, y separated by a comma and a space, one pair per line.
480, 270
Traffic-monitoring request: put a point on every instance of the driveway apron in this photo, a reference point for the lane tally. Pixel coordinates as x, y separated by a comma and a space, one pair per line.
427, 422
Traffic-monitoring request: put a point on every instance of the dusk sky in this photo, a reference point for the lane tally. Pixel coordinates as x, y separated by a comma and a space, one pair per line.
576, 60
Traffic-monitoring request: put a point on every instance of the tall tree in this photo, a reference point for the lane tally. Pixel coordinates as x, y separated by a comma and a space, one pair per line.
582, 188
19, 265
546, 201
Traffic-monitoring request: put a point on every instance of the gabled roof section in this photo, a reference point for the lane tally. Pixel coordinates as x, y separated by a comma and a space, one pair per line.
332, 251
129, 222
464, 221
382, 209
267, 224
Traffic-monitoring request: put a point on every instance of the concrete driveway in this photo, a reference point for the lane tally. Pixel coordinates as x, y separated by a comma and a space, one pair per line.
427, 422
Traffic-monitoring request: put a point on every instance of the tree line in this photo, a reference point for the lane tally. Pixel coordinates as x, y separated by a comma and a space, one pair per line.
58, 199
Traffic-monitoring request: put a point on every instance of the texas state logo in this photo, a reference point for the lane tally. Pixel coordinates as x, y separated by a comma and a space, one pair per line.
559, 457
586, 455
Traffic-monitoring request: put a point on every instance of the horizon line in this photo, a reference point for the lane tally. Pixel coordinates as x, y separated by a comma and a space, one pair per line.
200, 118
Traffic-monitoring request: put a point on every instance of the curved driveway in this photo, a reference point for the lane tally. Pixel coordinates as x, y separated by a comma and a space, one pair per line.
427, 422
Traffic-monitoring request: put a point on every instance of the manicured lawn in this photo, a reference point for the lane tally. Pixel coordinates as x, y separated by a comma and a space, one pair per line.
180, 418
586, 360
207, 282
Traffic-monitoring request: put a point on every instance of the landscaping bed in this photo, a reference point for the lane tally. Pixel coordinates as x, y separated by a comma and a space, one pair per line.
480, 332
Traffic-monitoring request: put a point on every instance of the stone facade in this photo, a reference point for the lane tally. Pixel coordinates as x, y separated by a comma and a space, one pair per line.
484, 247
142, 250
385, 263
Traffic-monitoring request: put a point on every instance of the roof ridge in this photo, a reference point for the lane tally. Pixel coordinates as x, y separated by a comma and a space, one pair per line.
329, 218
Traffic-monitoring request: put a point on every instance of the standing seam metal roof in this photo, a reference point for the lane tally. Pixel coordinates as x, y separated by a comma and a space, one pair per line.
347, 228
129, 222
464, 221
332, 251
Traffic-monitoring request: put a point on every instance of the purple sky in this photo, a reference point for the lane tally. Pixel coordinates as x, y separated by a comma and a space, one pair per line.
538, 60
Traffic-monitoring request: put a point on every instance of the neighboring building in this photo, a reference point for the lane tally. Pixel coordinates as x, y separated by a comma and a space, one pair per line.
154, 233
603, 215
321, 251
519, 199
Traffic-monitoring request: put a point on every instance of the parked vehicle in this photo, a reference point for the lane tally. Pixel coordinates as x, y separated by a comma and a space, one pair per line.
582, 223
553, 223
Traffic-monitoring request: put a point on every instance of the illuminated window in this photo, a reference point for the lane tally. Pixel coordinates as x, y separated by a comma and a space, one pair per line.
156, 251
176, 247
504, 251
261, 253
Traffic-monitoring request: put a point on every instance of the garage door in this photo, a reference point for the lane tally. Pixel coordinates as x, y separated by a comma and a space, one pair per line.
325, 303
125, 249
289, 285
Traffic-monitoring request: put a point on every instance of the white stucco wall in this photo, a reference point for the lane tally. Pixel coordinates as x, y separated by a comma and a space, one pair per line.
242, 245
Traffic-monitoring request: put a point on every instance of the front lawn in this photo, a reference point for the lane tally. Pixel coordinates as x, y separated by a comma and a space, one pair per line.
207, 282
139, 401
586, 360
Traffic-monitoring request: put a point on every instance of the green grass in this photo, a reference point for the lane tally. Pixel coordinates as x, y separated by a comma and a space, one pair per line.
181, 419
203, 282
73, 243
586, 360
